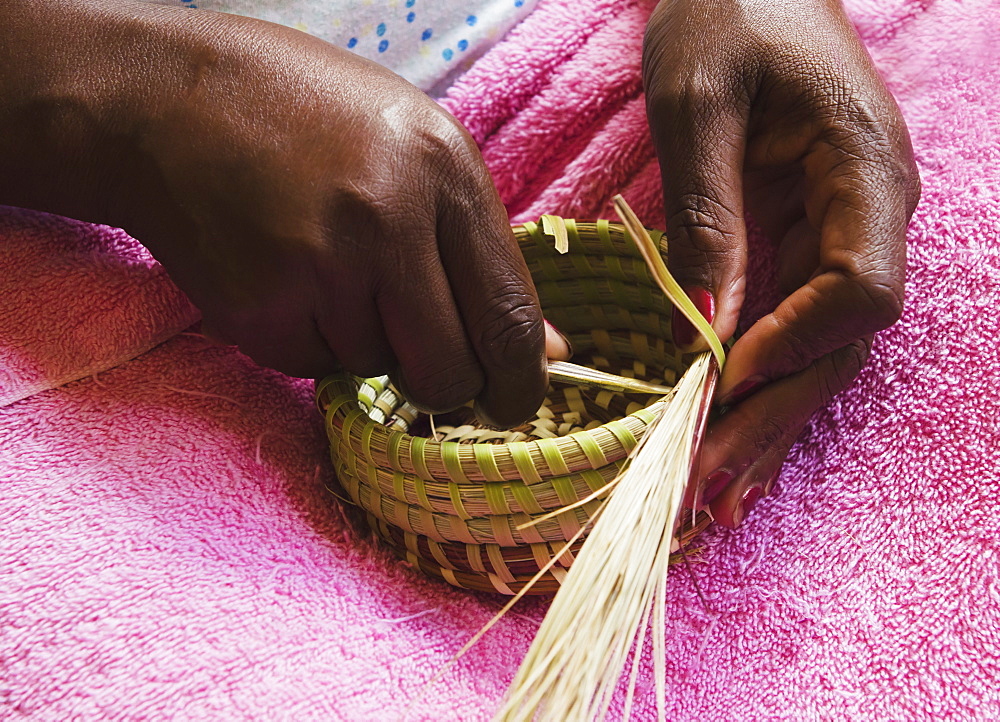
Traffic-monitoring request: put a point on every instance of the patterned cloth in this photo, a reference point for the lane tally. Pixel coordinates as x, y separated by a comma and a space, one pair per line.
428, 42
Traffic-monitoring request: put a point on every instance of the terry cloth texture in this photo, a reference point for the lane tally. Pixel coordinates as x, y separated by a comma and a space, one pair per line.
169, 548
76, 299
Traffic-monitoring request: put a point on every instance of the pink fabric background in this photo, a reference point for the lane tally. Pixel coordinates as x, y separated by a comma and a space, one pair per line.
169, 550
77, 299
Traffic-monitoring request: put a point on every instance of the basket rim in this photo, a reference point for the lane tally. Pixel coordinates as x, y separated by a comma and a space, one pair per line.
431, 486
530, 462
345, 407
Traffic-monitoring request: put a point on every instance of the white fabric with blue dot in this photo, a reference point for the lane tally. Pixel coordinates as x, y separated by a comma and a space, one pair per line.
428, 42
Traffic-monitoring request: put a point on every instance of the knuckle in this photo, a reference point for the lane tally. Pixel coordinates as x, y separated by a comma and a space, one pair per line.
857, 353
444, 145
440, 388
454, 175
675, 102
828, 384
701, 234
763, 433
881, 296
358, 213
902, 179
849, 361
878, 138
430, 153
511, 331
700, 211
796, 347
873, 287
839, 369
673, 76
686, 91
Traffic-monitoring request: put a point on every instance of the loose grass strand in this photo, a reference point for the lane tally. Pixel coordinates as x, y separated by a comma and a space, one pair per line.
618, 581
572, 668
666, 282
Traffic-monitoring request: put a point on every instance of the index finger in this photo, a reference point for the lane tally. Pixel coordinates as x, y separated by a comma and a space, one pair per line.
495, 297
860, 207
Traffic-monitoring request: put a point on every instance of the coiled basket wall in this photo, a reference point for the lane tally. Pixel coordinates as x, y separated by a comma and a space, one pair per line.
452, 505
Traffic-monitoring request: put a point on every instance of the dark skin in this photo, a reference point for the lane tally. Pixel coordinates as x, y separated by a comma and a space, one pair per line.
322, 212
776, 107
318, 209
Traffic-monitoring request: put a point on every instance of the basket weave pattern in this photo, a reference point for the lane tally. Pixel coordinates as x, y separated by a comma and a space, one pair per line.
452, 505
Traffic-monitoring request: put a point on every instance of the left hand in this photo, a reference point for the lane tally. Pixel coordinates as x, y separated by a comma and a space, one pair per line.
777, 105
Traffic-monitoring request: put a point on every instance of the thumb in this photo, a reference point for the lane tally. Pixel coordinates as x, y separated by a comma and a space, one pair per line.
700, 143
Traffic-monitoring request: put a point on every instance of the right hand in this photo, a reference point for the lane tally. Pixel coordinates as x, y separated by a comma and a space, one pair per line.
317, 208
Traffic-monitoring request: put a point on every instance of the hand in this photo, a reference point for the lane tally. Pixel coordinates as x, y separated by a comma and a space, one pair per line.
318, 209
777, 105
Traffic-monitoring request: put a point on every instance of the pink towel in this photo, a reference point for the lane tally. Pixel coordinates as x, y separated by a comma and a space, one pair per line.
77, 299
170, 550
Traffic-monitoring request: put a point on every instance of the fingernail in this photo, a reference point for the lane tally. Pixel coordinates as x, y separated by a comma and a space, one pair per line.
485, 420
750, 498
684, 332
742, 390
557, 346
714, 484
769, 486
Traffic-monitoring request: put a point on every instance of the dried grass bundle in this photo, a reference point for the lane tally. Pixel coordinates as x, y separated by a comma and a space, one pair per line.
618, 581
511, 511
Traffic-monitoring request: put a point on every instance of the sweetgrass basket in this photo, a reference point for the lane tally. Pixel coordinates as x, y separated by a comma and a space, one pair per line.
454, 502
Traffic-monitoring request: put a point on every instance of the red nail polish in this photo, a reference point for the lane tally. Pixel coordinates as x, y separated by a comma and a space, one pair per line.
746, 505
684, 332
714, 485
742, 390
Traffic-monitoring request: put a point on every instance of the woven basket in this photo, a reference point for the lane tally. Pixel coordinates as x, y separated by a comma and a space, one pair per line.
452, 505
